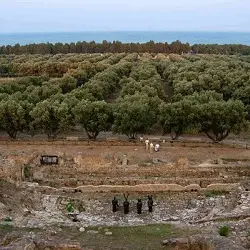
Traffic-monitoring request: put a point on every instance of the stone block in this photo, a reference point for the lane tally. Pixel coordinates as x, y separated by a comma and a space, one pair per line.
182, 163
108, 233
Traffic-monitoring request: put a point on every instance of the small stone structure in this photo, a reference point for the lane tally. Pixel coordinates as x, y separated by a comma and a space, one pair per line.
49, 160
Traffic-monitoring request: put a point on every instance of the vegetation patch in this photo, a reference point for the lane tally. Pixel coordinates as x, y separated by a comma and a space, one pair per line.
140, 237
214, 193
125, 94
224, 231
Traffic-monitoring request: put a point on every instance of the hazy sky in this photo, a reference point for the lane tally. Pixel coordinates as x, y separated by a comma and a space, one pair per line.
99, 15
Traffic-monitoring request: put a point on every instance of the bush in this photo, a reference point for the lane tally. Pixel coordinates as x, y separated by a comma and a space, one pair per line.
27, 172
214, 193
8, 219
224, 231
69, 207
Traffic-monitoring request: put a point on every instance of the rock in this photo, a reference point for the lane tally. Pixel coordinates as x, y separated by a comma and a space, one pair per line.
92, 232
182, 163
10, 237
82, 229
106, 230
179, 242
219, 161
26, 212
30, 246
174, 218
2, 206
108, 233
202, 242
155, 161
29, 184
244, 207
125, 160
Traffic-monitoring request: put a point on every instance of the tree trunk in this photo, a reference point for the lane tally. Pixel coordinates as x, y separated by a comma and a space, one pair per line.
92, 135
52, 135
12, 134
217, 137
132, 136
175, 136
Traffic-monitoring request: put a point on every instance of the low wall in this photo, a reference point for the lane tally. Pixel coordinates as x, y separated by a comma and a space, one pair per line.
137, 188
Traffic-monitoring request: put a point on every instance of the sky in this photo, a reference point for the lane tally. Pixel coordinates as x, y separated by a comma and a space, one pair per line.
120, 15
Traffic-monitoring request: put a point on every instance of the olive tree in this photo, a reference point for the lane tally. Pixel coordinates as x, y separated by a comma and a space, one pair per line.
219, 118
52, 117
14, 116
135, 114
176, 118
95, 117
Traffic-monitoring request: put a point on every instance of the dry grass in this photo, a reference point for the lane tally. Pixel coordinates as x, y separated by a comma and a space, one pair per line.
4, 80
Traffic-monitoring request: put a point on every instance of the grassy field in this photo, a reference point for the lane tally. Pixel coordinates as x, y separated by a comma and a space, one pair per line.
148, 237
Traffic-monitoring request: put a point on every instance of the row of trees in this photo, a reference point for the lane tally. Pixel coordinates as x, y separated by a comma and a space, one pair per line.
118, 47
56, 66
205, 112
127, 95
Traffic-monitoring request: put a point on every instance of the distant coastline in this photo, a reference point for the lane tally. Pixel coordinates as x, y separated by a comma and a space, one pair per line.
191, 37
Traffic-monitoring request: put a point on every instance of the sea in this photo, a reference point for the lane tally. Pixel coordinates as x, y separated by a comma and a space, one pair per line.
127, 37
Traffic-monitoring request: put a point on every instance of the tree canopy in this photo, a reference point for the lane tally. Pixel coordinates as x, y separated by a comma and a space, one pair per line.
126, 93
95, 117
135, 114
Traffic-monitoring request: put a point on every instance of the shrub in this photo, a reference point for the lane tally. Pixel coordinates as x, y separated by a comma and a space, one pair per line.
224, 231
8, 219
27, 172
69, 207
214, 193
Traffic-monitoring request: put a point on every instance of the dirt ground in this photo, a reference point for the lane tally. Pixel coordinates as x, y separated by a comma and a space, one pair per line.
43, 214
199, 154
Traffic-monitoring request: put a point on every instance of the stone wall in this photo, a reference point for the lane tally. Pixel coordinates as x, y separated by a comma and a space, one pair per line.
149, 188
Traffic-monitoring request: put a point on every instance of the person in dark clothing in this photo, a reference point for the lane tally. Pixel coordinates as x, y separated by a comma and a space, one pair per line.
114, 204
150, 203
126, 204
139, 206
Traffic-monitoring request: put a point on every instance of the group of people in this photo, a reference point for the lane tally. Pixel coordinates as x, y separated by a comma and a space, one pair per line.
139, 204
150, 145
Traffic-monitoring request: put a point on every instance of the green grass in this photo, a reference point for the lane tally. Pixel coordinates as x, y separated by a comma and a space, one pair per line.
224, 231
6, 228
147, 237
214, 193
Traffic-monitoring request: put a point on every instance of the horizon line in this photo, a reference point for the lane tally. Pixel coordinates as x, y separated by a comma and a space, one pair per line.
121, 31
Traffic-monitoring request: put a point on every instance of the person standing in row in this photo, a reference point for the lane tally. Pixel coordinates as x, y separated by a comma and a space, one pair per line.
147, 143
151, 148
141, 139
139, 206
126, 204
150, 203
114, 204
157, 147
